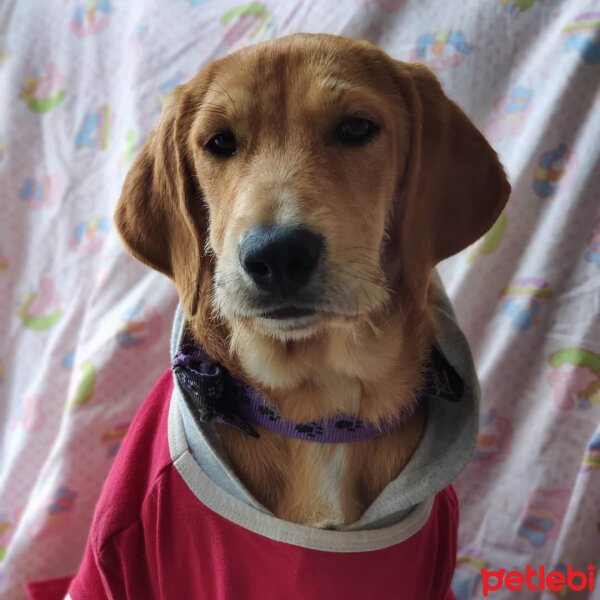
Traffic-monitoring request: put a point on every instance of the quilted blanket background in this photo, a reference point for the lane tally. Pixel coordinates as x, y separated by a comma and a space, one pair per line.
84, 328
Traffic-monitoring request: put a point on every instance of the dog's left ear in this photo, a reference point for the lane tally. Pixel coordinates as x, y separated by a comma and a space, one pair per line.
454, 187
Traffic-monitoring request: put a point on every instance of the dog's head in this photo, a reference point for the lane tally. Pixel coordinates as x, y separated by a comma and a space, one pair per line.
302, 183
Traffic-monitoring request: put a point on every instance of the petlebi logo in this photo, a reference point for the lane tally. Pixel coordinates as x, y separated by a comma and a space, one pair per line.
553, 581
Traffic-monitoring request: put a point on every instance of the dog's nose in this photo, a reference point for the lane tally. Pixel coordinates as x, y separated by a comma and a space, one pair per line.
279, 258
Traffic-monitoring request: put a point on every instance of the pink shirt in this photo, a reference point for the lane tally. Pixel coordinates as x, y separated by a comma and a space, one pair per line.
162, 529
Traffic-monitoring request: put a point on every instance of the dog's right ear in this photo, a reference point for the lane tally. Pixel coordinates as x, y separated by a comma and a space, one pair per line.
151, 212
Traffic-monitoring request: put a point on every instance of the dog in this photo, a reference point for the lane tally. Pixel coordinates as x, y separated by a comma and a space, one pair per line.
299, 193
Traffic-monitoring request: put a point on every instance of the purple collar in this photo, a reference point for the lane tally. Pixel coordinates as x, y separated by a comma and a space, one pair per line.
211, 393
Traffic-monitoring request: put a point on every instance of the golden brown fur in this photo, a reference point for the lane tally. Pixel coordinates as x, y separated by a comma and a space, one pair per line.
425, 187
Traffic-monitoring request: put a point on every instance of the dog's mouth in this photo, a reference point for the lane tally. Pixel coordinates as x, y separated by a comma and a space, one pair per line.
289, 321
329, 300
288, 312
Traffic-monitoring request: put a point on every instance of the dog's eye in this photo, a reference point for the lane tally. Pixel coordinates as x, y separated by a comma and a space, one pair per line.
223, 144
356, 131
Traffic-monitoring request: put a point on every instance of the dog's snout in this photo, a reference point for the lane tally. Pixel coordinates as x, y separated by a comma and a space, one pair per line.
280, 259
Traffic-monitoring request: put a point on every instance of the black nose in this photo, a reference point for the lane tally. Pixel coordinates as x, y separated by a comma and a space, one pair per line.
278, 258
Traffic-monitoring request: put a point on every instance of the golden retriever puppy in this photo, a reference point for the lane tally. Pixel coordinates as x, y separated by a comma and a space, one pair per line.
299, 193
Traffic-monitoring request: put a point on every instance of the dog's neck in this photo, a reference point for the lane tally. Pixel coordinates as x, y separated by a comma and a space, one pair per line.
371, 370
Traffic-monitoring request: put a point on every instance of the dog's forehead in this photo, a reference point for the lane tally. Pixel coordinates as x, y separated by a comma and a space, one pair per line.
305, 74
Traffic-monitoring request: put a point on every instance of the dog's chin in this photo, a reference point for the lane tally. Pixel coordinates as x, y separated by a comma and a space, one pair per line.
300, 319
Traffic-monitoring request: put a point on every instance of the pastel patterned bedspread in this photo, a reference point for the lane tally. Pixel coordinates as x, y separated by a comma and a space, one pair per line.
84, 328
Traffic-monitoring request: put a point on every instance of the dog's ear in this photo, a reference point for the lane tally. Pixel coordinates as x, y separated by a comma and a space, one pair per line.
454, 187
160, 215
151, 194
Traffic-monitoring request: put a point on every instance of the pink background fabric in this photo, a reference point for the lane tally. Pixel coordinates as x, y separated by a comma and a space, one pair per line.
84, 328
